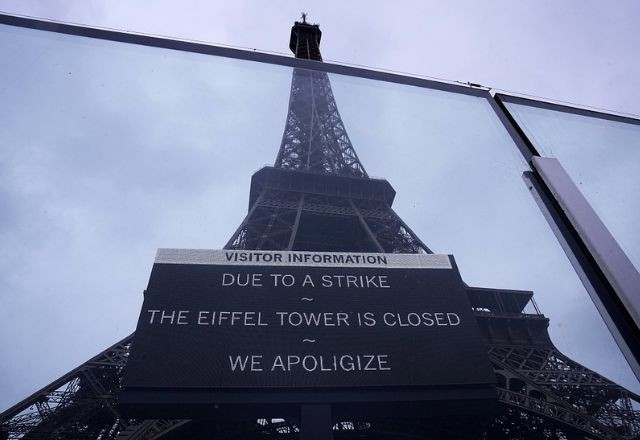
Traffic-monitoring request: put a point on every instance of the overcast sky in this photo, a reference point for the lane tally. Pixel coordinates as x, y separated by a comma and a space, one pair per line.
110, 151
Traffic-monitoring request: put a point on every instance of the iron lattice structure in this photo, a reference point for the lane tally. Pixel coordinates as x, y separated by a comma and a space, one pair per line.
318, 196
315, 140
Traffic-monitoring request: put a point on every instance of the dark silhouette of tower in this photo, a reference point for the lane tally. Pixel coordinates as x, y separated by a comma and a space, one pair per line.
318, 197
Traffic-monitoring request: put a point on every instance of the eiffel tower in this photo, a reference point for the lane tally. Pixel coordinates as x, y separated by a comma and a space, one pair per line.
318, 197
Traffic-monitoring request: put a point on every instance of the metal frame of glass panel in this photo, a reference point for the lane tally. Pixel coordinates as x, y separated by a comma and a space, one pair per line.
609, 276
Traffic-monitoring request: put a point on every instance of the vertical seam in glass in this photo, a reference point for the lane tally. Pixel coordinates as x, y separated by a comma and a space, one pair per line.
614, 310
521, 140
614, 313
615, 264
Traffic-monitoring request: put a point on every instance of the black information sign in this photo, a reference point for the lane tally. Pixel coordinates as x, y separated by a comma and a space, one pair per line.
264, 319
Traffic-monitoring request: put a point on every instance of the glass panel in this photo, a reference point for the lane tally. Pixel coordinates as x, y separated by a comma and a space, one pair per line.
458, 176
111, 151
602, 157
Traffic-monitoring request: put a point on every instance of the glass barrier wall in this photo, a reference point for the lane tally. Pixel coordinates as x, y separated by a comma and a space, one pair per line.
459, 182
602, 156
111, 150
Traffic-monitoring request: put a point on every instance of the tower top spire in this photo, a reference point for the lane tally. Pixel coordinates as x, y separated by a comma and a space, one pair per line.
305, 40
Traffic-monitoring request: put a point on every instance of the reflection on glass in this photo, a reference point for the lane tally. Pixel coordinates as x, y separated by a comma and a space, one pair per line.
108, 152
603, 159
111, 151
459, 182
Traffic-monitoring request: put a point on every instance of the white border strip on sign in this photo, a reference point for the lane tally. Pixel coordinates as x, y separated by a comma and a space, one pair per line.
302, 258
